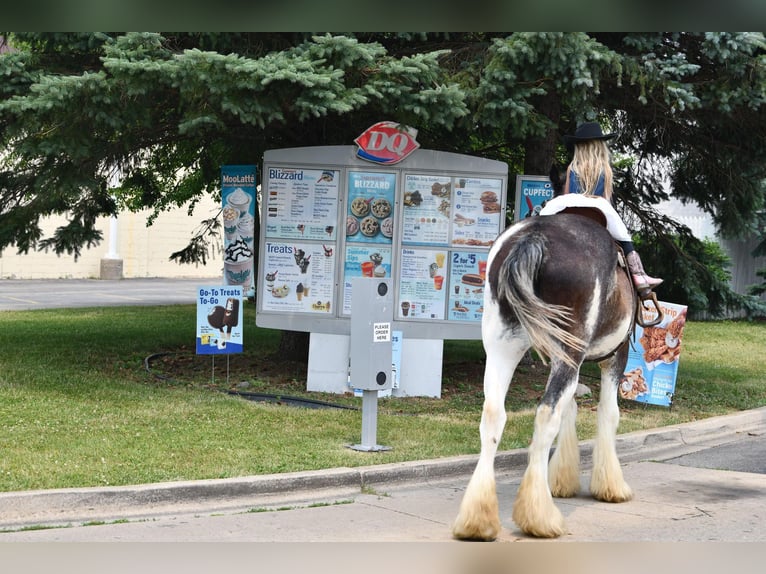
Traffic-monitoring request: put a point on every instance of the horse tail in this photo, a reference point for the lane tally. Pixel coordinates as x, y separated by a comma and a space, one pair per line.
548, 326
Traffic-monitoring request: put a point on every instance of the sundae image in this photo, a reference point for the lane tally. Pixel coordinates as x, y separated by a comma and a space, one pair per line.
238, 263
230, 220
270, 278
246, 228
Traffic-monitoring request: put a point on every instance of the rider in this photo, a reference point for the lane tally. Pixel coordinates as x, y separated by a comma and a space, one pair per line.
589, 184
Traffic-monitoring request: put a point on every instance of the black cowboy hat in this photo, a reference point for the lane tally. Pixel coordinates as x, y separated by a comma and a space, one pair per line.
585, 132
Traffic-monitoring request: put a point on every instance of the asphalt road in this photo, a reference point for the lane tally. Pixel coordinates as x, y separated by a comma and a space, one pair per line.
26, 294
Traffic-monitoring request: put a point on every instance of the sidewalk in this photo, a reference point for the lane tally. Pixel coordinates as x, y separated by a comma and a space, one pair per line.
681, 494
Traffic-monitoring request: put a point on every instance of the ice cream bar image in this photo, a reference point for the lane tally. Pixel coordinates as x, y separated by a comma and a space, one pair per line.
231, 313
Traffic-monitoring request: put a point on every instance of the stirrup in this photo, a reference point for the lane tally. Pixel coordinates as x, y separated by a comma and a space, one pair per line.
645, 295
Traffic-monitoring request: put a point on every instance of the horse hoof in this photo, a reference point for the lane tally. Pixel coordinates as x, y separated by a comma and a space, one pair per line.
475, 532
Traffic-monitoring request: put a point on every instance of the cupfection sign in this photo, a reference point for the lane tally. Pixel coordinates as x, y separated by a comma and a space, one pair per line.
425, 219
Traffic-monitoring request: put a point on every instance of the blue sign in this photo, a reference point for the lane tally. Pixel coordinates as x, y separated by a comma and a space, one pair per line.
239, 213
532, 193
652, 368
219, 320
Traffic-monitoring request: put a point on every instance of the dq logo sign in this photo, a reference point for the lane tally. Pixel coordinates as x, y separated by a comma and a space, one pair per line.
386, 143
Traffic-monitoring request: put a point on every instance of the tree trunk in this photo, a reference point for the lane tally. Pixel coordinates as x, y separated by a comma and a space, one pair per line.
293, 346
541, 151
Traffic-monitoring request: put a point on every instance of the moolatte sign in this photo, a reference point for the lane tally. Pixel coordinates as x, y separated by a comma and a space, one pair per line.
425, 219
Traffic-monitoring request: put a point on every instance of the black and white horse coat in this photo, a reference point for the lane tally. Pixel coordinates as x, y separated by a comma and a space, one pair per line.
554, 284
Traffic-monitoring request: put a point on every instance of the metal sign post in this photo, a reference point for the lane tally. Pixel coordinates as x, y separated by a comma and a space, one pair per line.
371, 320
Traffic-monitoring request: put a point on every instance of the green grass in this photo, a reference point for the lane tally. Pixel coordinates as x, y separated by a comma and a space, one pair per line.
78, 407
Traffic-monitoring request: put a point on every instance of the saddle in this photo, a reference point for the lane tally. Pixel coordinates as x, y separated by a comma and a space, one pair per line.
643, 296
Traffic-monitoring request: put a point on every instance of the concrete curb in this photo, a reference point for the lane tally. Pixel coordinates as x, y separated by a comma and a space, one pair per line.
82, 505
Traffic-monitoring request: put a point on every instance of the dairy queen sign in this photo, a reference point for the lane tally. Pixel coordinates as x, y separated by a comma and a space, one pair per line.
386, 143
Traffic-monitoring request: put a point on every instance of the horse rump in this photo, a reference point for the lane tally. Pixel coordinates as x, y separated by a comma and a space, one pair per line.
547, 325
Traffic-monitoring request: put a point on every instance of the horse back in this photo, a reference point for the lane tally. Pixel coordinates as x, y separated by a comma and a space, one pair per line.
578, 270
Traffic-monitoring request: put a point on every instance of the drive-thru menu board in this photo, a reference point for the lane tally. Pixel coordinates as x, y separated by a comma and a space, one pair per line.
427, 222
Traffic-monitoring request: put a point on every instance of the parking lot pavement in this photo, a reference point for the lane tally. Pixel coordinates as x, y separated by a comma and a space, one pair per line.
27, 294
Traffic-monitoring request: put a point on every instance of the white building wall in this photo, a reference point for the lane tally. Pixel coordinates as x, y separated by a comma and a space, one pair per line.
145, 251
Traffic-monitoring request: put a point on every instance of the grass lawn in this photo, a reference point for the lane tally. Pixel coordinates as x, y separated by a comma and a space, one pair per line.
78, 406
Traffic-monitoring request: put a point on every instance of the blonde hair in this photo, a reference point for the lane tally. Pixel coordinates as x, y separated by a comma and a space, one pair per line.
591, 159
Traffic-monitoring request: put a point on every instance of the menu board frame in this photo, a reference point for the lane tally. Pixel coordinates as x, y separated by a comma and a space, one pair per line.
437, 268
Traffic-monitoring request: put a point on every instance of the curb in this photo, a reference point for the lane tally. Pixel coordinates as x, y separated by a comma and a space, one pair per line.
81, 505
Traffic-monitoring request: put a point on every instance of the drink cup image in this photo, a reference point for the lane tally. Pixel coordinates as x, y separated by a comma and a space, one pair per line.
230, 221
246, 228
239, 199
238, 264
483, 269
367, 268
405, 308
239, 273
438, 282
440, 260
457, 289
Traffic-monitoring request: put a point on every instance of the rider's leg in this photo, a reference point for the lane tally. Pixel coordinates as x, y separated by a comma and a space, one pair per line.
640, 279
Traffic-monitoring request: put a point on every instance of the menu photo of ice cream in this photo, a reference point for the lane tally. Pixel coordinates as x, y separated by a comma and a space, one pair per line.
298, 277
239, 233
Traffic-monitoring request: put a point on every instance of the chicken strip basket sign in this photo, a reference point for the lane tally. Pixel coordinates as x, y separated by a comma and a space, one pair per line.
386, 143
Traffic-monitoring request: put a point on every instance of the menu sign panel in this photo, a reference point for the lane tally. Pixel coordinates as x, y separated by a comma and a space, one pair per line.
422, 285
369, 218
476, 217
302, 203
363, 261
298, 277
466, 285
427, 208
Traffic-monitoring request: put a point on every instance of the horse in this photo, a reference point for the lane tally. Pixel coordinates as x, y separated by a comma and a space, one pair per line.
553, 284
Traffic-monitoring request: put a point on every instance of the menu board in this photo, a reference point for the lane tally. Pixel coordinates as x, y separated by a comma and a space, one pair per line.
467, 277
427, 207
302, 203
363, 261
477, 210
422, 288
298, 277
427, 223
370, 211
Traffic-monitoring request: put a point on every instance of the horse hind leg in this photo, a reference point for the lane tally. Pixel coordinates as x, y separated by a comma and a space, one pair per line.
534, 511
607, 482
479, 516
564, 466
